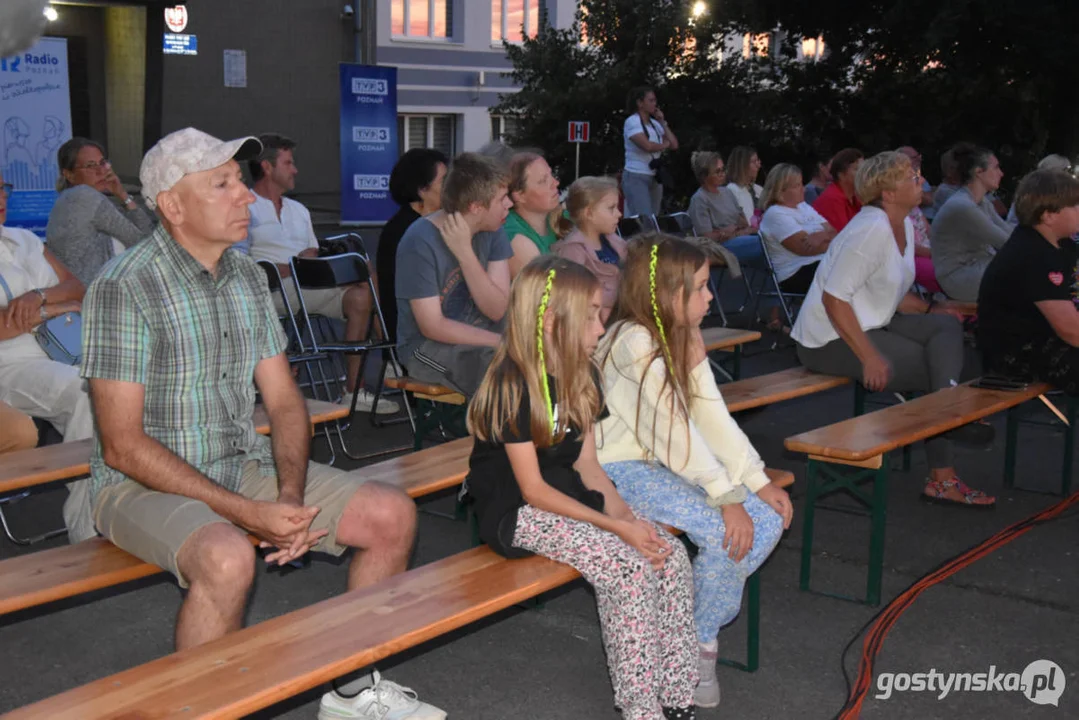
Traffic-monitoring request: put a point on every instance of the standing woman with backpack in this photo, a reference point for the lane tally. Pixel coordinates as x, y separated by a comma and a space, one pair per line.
646, 135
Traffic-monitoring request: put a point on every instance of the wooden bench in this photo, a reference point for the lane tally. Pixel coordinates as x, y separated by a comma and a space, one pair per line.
723, 339
776, 387
261, 665
37, 578
439, 406
37, 466
842, 455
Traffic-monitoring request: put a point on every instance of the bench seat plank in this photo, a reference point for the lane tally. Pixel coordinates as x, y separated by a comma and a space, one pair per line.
721, 338
37, 466
878, 432
776, 387
258, 666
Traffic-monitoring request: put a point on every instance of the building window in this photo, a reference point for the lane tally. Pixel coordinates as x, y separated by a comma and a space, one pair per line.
756, 45
427, 131
813, 48
421, 18
504, 127
514, 20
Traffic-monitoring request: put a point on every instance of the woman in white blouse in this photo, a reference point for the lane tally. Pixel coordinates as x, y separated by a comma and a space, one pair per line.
860, 319
743, 167
39, 287
796, 235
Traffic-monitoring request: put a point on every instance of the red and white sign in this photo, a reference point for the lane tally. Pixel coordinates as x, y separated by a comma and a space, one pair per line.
176, 18
578, 131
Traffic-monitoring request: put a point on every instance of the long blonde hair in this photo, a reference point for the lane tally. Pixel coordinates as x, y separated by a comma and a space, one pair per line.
676, 262
516, 368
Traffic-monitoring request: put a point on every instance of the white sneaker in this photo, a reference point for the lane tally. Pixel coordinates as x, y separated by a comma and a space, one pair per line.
372, 698
365, 400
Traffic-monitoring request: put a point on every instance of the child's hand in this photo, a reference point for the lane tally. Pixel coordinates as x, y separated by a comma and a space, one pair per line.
738, 540
455, 233
643, 536
778, 499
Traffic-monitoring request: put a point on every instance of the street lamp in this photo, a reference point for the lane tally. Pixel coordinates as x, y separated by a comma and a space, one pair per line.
699, 8
50, 13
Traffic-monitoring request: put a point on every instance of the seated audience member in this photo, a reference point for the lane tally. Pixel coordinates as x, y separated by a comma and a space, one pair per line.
20, 432
949, 181
860, 320
184, 495
531, 225
796, 235
280, 230
743, 167
717, 216
416, 186
820, 176
1049, 162
967, 232
453, 278
916, 163
838, 203
498, 151
923, 255
1028, 321
34, 287
85, 228
594, 242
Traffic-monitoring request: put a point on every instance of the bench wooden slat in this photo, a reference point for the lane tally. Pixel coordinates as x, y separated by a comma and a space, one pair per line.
721, 338
416, 386
776, 387
266, 663
876, 433
37, 466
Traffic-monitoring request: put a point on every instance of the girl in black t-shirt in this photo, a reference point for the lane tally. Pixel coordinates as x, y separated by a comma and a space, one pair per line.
538, 488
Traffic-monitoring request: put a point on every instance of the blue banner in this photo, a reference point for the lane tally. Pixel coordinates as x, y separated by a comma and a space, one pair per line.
368, 142
35, 114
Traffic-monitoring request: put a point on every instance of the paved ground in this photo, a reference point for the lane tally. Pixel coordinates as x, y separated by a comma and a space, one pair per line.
1014, 607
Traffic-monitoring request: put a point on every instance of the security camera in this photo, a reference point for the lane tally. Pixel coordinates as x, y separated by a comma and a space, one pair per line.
347, 11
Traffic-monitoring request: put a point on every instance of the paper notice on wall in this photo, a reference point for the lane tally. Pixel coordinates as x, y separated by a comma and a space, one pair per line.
236, 68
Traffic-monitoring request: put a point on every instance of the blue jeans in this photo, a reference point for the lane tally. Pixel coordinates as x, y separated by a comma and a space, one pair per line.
656, 493
747, 248
643, 195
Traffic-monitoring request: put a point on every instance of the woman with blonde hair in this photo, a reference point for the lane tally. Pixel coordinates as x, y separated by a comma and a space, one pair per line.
860, 319
797, 236
669, 444
532, 224
538, 488
743, 167
592, 204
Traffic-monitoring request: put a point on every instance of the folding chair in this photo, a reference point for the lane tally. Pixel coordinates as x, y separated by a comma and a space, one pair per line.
786, 299
336, 271
681, 225
634, 224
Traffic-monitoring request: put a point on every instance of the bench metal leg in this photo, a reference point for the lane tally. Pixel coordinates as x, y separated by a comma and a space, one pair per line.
1011, 437
33, 539
1069, 446
736, 362
835, 478
753, 627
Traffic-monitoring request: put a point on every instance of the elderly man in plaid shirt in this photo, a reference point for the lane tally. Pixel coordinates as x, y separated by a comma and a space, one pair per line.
175, 330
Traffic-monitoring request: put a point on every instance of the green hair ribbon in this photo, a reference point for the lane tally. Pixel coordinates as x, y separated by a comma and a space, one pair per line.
539, 345
655, 309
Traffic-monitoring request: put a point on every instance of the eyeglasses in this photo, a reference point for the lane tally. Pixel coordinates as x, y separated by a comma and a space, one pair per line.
719, 171
7, 189
102, 164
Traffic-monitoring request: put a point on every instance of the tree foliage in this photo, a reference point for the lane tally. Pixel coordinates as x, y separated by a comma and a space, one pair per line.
921, 72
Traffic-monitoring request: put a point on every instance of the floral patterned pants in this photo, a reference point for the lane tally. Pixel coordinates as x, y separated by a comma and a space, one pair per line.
1053, 361
662, 496
646, 616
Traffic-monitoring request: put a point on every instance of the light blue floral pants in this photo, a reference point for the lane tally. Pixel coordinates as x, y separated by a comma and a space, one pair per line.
656, 493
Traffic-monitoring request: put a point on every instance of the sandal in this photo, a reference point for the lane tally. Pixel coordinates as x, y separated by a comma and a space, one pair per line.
939, 491
776, 325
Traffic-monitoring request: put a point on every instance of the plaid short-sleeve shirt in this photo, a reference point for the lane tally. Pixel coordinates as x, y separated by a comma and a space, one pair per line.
156, 317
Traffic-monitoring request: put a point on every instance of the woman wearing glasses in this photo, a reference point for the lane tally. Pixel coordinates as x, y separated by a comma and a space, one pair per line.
85, 228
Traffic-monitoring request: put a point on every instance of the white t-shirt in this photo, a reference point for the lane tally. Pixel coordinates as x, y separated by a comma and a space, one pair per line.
636, 159
280, 239
864, 268
23, 267
745, 198
778, 224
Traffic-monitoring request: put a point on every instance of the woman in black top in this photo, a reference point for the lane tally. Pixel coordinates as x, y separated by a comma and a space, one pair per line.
1028, 320
415, 185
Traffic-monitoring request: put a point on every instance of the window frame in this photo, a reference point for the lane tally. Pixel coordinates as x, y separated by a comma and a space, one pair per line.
406, 11
429, 141
526, 31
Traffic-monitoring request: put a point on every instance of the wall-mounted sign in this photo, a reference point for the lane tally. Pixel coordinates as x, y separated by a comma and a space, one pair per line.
235, 68
176, 44
176, 18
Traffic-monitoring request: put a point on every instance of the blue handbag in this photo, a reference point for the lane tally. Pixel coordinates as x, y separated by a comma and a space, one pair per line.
60, 337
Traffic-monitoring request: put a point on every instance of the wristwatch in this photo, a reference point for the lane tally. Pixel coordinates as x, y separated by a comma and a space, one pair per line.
41, 294
129, 203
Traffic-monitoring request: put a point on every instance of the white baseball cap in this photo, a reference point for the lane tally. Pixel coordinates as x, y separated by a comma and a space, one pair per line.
188, 151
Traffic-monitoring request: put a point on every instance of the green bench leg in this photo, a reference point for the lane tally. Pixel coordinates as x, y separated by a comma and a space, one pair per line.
1069, 445
753, 627
1011, 437
827, 478
736, 363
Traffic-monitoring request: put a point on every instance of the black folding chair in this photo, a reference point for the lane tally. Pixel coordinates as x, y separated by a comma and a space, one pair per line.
680, 224
332, 272
634, 224
787, 301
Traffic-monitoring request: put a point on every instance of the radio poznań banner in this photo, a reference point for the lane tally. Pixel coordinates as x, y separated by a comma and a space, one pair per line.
35, 117
368, 142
